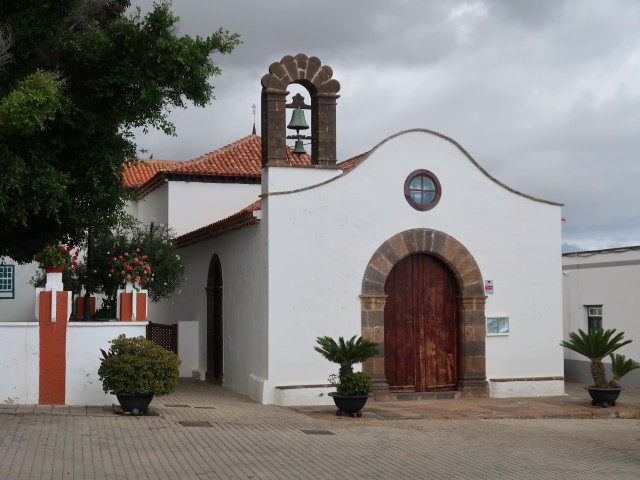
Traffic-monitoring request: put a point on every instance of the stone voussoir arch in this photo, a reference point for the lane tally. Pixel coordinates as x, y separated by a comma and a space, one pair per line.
323, 89
471, 302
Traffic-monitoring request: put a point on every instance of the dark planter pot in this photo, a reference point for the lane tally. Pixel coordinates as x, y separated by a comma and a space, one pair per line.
135, 403
603, 396
350, 405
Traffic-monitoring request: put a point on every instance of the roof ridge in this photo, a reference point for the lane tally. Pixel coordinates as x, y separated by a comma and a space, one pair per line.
214, 153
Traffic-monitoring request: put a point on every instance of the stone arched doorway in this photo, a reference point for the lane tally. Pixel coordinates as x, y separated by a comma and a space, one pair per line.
470, 303
214, 290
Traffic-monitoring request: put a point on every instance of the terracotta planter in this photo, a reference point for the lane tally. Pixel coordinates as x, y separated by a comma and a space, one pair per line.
58, 269
349, 404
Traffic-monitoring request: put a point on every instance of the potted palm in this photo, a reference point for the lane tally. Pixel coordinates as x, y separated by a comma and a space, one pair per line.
596, 345
135, 369
352, 388
620, 366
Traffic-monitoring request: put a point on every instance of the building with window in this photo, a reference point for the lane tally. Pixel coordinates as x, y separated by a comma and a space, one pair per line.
412, 245
16, 294
601, 290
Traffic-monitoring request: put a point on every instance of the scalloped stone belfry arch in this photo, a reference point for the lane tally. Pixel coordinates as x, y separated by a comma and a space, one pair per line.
317, 79
471, 303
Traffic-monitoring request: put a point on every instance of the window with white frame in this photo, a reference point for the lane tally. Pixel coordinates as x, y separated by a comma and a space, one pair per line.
594, 317
497, 325
7, 281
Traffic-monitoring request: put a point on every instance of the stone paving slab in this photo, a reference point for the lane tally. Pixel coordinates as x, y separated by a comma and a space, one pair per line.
245, 440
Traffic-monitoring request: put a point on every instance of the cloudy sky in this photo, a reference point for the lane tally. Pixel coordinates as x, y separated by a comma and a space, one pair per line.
544, 94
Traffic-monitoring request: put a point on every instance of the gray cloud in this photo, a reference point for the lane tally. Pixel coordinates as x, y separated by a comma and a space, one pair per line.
545, 95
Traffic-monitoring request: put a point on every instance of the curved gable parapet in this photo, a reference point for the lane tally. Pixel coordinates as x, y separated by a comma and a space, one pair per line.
465, 153
307, 71
363, 158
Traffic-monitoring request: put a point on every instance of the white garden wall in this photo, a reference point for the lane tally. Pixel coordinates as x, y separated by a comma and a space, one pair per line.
84, 340
20, 357
19, 362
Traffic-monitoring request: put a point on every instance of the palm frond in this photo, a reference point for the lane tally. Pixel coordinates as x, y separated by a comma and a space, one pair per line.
621, 365
596, 344
346, 352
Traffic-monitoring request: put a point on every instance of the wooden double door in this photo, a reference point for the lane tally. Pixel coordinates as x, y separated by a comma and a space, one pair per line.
421, 339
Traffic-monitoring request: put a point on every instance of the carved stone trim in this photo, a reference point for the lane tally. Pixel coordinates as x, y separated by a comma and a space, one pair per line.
474, 303
372, 302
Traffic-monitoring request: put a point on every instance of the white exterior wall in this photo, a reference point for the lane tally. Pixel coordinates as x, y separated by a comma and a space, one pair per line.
243, 258
194, 204
321, 240
153, 206
20, 362
610, 279
19, 308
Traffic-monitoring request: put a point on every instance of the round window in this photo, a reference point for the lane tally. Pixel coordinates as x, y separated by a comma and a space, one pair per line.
422, 190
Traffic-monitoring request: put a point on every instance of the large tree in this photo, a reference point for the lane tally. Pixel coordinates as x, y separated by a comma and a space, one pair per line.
76, 77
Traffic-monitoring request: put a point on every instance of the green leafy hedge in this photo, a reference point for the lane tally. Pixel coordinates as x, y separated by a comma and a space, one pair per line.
137, 365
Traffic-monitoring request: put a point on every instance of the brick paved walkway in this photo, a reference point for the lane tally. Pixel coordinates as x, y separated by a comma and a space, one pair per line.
203, 432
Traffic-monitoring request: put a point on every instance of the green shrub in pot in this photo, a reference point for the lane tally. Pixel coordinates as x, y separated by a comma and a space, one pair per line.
357, 383
138, 366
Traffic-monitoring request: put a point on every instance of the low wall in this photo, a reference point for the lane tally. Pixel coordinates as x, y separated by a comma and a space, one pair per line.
20, 360
84, 341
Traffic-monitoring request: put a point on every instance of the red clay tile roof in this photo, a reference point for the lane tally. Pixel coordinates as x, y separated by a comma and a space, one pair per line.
137, 173
352, 162
235, 222
238, 160
241, 158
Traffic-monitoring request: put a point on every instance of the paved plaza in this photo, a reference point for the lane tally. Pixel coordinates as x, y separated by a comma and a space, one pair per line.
207, 432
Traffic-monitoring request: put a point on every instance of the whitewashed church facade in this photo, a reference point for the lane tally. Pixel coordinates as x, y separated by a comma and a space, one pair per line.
412, 244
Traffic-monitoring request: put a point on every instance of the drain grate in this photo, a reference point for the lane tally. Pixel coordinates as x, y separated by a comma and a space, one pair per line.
194, 423
318, 432
207, 408
176, 405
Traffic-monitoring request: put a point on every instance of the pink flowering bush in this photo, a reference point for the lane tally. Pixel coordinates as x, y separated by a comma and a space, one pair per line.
132, 267
55, 256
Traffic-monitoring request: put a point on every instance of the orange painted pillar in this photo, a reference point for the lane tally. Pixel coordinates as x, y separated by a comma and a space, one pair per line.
53, 314
80, 306
132, 306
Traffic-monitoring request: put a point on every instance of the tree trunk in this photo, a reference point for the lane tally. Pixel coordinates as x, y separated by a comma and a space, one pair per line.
344, 369
598, 373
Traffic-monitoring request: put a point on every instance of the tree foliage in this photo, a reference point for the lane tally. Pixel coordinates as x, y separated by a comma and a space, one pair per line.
76, 77
153, 240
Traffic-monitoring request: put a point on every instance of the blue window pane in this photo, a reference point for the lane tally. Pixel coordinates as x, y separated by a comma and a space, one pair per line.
428, 197
416, 196
416, 183
427, 183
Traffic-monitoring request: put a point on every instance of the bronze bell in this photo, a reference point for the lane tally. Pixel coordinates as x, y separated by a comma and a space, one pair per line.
298, 121
299, 150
